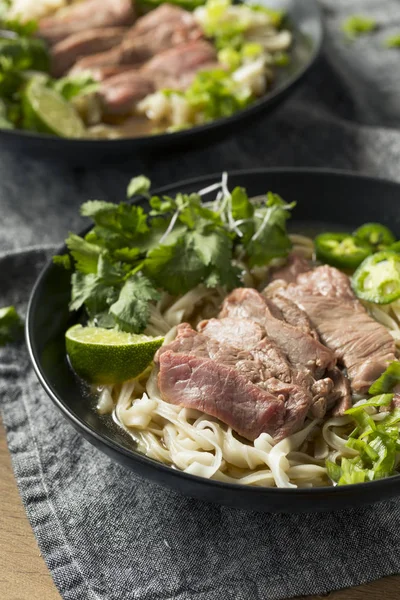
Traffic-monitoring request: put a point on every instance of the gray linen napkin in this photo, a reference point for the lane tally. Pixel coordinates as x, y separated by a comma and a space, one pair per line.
104, 532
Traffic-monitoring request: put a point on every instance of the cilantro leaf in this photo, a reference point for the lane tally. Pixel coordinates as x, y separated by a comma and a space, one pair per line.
242, 208
116, 225
270, 238
127, 255
138, 185
11, 326
132, 310
187, 209
110, 272
162, 206
63, 260
85, 254
176, 268
96, 208
23, 53
215, 251
98, 290
91, 290
243, 213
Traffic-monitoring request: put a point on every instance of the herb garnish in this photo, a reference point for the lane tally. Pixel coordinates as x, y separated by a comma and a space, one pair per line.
393, 41
129, 257
11, 325
357, 25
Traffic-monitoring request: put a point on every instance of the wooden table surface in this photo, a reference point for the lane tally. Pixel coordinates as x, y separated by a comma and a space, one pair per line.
24, 575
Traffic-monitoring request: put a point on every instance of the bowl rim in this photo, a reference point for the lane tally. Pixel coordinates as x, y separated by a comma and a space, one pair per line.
156, 140
151, 464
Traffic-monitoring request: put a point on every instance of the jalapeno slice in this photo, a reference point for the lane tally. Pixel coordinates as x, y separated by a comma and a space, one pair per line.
375, 234
341, 250
377, 279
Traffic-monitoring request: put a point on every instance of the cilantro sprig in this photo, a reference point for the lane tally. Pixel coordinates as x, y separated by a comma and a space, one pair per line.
129, 257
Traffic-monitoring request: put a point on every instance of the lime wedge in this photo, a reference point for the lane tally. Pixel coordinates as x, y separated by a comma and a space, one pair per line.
47, 111
107, 356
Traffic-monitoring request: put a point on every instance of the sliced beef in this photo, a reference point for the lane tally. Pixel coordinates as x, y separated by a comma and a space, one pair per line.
182, 59
332, 392
293, 336
198, 372
360, 343
84, 43
304, 352
256, 367
137, 50
259, 366
340, 397
321, 390
297, 405
248, 335
260, 345
319, 407
110, 58
166, 36
279, 377
275, 362
103, 73
181, 81
173, 68
221, 392
192, 342
241, 333
120, 93
327, 281
322, 387
86, 15
163, 15
294, 266
293, 315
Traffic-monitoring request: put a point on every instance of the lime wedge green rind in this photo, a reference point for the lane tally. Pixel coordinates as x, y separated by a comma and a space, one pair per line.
106, 356
47, 111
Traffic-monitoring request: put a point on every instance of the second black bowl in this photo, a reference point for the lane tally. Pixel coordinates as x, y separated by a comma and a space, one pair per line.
305, 21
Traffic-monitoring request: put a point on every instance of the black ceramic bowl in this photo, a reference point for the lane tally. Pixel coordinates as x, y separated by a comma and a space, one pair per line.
305, 21
330, 197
